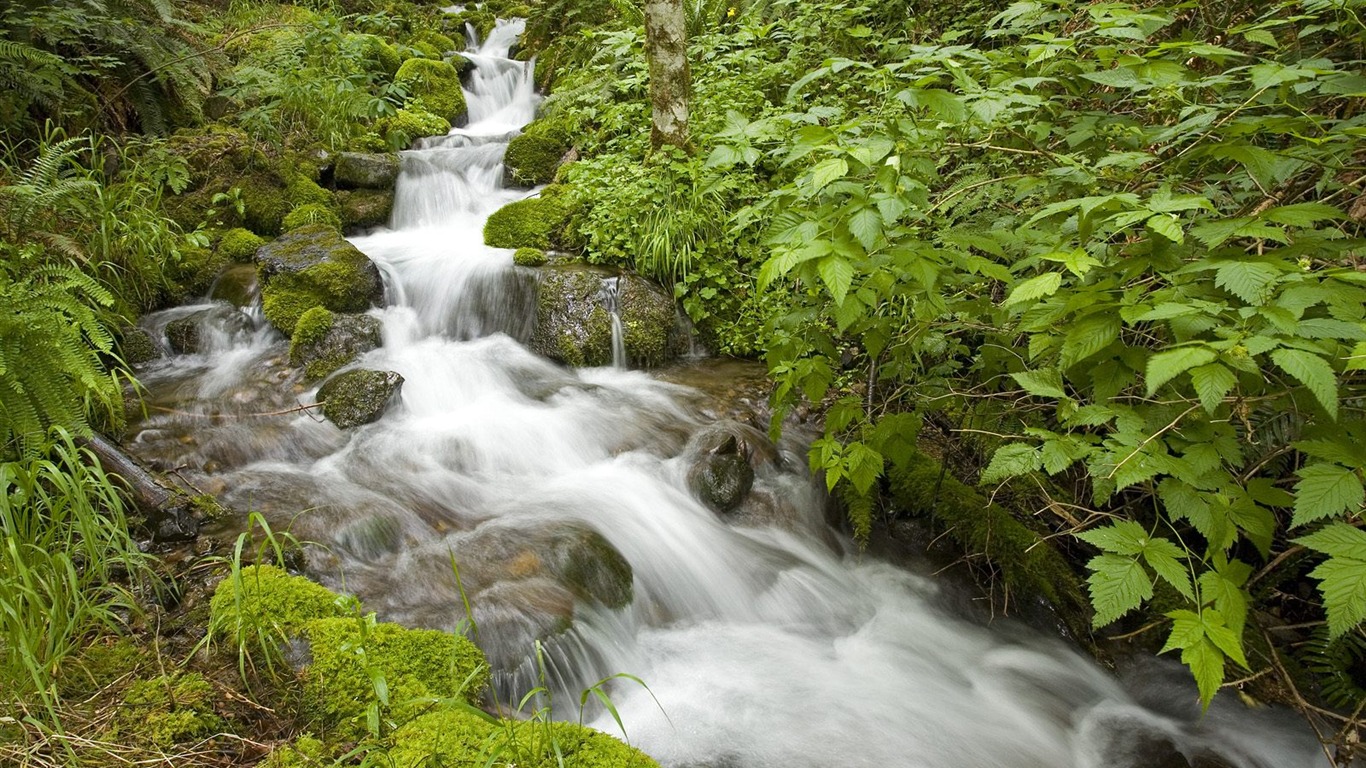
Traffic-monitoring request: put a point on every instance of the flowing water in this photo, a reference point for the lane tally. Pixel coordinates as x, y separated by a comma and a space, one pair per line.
764, 640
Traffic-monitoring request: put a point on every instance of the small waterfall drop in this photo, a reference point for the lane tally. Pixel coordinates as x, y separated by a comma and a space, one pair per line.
611, 294
765, 641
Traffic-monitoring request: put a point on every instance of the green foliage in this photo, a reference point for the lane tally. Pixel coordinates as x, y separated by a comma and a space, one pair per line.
311, 213
1110, 235
533, 157
66, 564
239, 245
167, 710
263, 601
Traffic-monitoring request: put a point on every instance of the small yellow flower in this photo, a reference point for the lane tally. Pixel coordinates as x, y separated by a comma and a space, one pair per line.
730, 13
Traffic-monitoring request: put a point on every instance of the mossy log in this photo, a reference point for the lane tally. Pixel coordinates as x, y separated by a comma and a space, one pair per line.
169, 511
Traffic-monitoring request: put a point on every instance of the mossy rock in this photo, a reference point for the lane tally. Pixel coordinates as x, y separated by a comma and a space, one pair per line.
574, 326
271, 599
533, 157
303, 190
1028, 561
312, 213
365, 207
194, 272
239, 245
482, 19
436, 85
136, 346
168, 710
536, 222
459, 739
437, 41
401, 129
358, 397
355, 170
415, 663
654, 331
306, 752
377, 50
529, 257
324, 341
314, 266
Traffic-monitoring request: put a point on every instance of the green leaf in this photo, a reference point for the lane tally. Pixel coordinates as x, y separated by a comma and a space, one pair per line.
1337, 540
1011, 460
863, 466
1165, 366
866, 226
1261, 36
1117, 584
1168, 226
1165, 558
837, 274
1207, 665
1343, 584
1249, 281
826, 171
1088, 337
1212, 383
1314, 373
1037, 287
1045, 382
1124, 537
1187, 630
1303, 214
1326, 490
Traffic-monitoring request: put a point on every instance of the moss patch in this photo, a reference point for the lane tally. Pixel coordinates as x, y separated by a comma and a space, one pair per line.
529, 257
168, 710
239, 245
365, 207
533, 157
348, 653
314, 266
324, 341
435, 85
537, 222
269, 598
459, 739
358, 397
312, 213
408, 125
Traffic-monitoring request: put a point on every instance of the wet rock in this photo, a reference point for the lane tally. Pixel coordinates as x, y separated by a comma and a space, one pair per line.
235, 285
358, 397
313, 266
356, 170
136, 346
569, 554
721, 479
365, 207
189, 335
324, 341
173, 524
574, 324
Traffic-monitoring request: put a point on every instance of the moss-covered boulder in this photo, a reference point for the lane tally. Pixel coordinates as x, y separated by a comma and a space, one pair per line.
574, 321
529, 257
378, 52
533, 157
263, 597
415, 663
324, 341
239, 245
536, 222
439, 42
312, 213
136, 346
460, 739
404, 127
435, 85
314, 266
235, 285
362, 208
358, 397
357, 170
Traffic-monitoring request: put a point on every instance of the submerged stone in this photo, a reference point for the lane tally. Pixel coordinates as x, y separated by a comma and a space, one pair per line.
187, 335
136, 345
358, 397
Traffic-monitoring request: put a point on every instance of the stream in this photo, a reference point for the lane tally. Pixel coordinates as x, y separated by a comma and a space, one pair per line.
766, 640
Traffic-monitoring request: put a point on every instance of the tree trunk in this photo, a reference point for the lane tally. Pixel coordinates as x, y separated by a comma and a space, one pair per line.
169, 516
666, 48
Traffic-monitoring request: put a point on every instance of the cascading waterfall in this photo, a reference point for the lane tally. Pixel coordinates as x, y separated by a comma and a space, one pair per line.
766, 643
611, 293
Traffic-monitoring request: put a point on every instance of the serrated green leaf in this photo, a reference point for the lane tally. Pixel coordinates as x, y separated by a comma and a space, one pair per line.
827, 171
1034, 288
1118, 584
866, 226
837, 274
1165, 366
1337, 540
1261, 36
1225, 591
1250, 281
1206, 663
1187, 630
1326, 490
1222, 636
1045, 382
1168, 226
1011, 460
863, 466
1124, 537
1303, 214
1212, 384
1089, 336
1165, 558
1058, 455
1343, 584
1314, 373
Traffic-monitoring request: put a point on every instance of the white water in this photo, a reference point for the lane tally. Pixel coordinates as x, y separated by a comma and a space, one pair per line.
765, 646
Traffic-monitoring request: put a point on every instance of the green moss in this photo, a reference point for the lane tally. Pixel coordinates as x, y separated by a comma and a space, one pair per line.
1027, 561
435, 85
441, 43
136, 346
239, 245
265, 204
168, 710
365, 207
100, 664
304, 191
268, 597
460, 739
312, 213
306, 752
380, 52
311, 329
408, 125
348, 653
341, 278
529, 257
537, 222
532, 158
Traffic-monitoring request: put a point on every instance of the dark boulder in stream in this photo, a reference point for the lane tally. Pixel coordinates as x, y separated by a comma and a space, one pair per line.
358, 397
355, 170
191, 334
324, 341
574, 308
